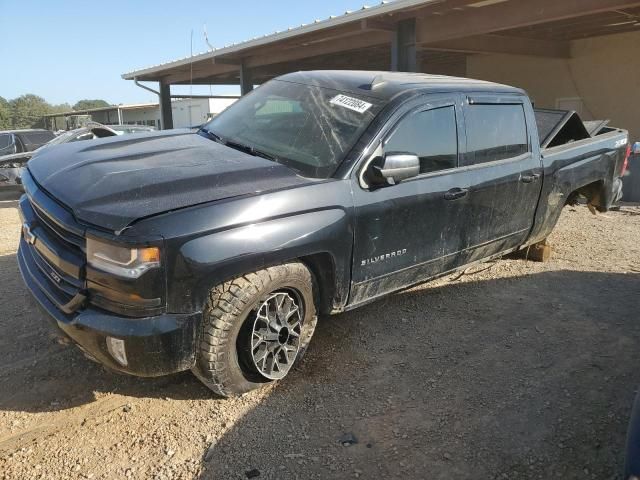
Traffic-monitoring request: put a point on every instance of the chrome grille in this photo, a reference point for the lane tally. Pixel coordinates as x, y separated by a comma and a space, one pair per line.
56, 228
58, 253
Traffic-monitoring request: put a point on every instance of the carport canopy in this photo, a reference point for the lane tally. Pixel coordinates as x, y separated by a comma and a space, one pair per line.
433, 36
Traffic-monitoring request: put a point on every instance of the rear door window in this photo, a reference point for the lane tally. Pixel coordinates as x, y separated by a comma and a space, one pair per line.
495, 132
5, 143
33, 140
5, 140
432, 135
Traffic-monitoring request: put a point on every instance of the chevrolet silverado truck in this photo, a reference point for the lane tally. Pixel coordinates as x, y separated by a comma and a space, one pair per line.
316, 193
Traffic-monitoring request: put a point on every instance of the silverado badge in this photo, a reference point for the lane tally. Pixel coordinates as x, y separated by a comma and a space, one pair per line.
383, 257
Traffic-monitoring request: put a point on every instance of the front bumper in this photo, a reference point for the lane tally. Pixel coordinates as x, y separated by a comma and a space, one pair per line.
154, 346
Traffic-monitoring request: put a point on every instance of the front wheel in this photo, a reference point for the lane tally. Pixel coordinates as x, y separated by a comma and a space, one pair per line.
255, 328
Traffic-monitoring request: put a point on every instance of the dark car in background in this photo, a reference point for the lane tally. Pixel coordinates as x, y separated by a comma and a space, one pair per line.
11, 165
15, 144
19, 141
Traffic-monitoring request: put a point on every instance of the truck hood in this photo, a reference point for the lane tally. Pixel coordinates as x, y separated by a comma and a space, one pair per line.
114, 181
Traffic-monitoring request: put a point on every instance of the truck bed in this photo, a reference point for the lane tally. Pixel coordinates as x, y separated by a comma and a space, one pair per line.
578, 156
559, 127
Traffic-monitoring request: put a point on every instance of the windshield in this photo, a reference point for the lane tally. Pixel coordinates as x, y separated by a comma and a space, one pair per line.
307, 128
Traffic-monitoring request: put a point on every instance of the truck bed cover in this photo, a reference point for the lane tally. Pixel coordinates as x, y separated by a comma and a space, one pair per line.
559, 127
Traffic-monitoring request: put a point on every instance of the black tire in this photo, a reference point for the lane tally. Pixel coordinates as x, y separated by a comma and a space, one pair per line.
225, 362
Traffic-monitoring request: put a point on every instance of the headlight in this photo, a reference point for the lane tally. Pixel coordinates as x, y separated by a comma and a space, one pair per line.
120, 260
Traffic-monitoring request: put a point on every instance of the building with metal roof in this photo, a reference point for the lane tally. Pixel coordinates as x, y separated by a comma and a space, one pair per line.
185, 113
577, 54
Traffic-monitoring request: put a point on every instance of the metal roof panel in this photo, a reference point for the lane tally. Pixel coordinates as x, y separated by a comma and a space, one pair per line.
364, 12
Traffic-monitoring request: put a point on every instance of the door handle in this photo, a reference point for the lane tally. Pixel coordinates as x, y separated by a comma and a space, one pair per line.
529, 178
455, 193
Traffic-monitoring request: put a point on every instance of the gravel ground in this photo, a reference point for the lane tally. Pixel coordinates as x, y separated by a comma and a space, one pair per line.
524, 370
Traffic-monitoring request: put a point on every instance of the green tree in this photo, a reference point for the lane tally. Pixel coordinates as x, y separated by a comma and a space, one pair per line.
60, 108
89, 104
5, 114
27, 111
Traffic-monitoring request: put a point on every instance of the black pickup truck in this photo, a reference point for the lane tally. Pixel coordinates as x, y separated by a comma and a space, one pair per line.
317, 193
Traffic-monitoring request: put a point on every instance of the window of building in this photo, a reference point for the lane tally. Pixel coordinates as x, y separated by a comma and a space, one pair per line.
432, 135
495, 132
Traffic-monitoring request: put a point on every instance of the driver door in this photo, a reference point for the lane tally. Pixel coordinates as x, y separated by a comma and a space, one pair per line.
408, 232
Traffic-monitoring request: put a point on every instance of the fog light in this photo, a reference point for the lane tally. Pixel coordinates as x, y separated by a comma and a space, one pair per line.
115, 346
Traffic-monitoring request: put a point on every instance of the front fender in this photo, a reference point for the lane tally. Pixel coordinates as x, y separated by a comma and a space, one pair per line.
209, 260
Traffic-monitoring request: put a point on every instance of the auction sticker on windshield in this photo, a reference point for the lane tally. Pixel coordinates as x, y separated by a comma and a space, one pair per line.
351, 103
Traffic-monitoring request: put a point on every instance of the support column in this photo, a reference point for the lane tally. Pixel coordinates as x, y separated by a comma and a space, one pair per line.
166, 115
403, 47
246, 80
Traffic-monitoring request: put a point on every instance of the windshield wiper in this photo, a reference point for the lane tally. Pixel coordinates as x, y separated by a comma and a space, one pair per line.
238, 146
251, 150
213, 136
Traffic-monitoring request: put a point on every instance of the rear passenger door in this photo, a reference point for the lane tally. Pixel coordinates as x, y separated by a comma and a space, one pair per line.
503, 158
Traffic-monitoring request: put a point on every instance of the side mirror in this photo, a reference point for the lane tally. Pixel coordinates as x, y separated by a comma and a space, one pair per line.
635, 148
398, 166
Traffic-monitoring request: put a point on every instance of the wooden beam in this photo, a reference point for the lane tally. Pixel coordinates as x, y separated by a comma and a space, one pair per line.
377, 24
503, 44
226, 61
437, 8
343, 32
200, 71
508, 15
317, 37
333, 46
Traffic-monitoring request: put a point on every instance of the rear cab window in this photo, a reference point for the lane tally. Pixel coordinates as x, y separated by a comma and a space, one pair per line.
495, 132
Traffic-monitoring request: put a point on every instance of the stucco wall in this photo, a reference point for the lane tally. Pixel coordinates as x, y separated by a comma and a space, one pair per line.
603, 71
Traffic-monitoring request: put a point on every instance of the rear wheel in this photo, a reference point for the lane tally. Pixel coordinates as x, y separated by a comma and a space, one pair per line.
255, 328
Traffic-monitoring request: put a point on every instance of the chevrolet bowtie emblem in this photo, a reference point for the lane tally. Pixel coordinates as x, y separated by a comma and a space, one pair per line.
55, 276
29, 237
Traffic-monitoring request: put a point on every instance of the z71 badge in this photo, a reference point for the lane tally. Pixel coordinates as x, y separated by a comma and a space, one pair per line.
383, 257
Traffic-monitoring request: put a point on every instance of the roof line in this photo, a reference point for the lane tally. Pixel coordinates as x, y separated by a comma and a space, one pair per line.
333, 21
131, 106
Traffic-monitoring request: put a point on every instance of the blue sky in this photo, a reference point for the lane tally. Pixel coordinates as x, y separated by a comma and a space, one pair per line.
67, 50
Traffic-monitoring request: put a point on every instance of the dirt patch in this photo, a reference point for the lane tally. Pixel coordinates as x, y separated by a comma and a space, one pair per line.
524, 370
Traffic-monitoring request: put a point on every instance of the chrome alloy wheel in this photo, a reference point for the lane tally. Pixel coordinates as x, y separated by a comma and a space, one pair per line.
275, 338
